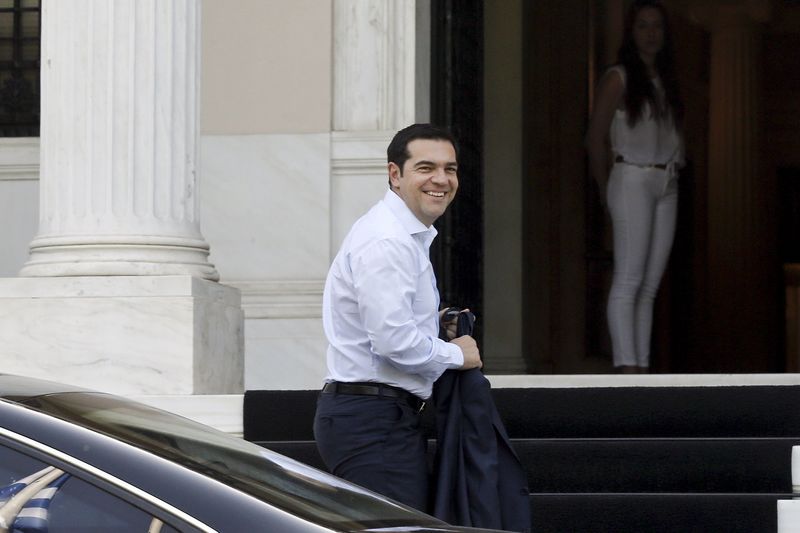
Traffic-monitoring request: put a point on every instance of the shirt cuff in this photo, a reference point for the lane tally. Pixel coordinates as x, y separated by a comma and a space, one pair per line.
449, 354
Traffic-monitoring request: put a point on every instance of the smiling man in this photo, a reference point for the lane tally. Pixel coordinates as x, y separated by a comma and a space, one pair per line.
381, 318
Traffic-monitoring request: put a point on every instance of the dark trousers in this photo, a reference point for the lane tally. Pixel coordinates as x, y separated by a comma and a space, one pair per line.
375, 442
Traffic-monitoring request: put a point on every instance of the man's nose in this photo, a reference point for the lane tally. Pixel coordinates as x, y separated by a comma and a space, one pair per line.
439, 176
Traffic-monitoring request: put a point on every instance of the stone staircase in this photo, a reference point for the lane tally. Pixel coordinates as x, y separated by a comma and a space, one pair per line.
621, 459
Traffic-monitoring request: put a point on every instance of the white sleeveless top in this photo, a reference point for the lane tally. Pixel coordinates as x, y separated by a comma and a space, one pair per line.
649, 141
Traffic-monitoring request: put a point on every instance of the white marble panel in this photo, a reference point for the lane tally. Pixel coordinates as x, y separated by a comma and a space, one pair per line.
353, 196
19, 220
19, 200
351, 150
218, 342
110, 286
281, 299
19, 158
265, 203
224, 412
788, 516
285, 354
359, 177
128, 340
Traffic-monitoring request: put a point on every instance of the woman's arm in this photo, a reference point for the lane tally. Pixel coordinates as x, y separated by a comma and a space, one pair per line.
607, 100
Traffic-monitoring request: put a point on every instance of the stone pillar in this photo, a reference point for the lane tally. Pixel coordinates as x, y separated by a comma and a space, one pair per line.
119, 140
740, 259
118, 292
374, 95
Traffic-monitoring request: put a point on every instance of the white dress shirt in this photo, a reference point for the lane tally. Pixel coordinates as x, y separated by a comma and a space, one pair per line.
380, 305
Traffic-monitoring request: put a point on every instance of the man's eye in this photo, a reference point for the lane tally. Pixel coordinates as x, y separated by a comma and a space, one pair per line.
424, 169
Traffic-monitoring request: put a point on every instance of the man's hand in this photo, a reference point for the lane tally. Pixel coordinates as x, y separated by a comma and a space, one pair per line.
448, 320
472, 357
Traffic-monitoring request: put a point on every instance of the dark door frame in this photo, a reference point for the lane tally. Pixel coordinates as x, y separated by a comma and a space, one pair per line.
457, 104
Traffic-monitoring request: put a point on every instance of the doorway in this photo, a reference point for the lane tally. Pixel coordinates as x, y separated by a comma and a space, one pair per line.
528, 245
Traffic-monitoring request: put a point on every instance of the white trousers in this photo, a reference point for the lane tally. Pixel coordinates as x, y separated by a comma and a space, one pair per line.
643, 203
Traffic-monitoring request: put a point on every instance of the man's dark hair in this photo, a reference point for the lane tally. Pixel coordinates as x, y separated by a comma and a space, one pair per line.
397, 152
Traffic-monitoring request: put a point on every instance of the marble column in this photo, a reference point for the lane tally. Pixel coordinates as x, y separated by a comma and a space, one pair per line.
119, 141
374, 95
118, 294
740, 259
374, 64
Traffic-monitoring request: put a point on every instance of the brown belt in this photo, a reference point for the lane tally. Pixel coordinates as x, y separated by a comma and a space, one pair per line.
375, 389
620, 159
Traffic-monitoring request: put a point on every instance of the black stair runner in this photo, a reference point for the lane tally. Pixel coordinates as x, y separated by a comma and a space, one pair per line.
622, 459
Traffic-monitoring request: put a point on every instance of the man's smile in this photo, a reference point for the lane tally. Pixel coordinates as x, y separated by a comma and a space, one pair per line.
430, 180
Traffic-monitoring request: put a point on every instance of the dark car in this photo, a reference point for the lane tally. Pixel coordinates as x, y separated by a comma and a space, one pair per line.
74, 460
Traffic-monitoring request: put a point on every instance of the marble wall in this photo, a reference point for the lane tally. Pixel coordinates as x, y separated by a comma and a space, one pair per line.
292, 151
266, 66
274, 210
279, 196
19, 201
265, 204
124, 334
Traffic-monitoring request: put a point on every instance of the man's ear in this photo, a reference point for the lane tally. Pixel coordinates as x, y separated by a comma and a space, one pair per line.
394, 175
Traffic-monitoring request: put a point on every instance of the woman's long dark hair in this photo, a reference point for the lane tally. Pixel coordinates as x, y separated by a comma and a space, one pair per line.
638, 87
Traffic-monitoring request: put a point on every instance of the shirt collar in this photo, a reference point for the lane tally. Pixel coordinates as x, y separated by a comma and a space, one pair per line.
407, 218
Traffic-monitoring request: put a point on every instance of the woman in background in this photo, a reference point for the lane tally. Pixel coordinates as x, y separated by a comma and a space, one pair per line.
637, 113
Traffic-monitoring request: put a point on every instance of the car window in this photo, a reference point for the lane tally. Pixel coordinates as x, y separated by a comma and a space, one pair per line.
38, 498
282, 482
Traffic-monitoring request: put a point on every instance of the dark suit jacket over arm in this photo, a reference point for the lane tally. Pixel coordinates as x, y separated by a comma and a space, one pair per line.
480, 481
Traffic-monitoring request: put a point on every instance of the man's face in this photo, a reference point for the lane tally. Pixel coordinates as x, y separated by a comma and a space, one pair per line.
429, 180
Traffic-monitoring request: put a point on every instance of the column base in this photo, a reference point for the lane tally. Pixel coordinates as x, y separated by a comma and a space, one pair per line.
126, 255
131, 335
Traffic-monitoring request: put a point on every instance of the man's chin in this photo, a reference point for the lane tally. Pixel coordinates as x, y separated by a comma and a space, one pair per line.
435, 214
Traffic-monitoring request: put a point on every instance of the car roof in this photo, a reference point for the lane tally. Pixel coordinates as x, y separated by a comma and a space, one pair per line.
185, 489
18, 388
172, 483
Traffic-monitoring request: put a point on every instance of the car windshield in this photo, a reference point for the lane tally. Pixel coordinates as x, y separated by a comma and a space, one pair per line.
278, 480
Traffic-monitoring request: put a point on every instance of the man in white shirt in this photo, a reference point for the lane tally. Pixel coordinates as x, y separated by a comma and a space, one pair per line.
381, 318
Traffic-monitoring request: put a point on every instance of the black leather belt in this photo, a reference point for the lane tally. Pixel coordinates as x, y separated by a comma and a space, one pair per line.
375, 389
620, 159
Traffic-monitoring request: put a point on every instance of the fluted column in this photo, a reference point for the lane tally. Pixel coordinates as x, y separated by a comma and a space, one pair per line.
733, 133
118, 294
739, 256
119, 136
